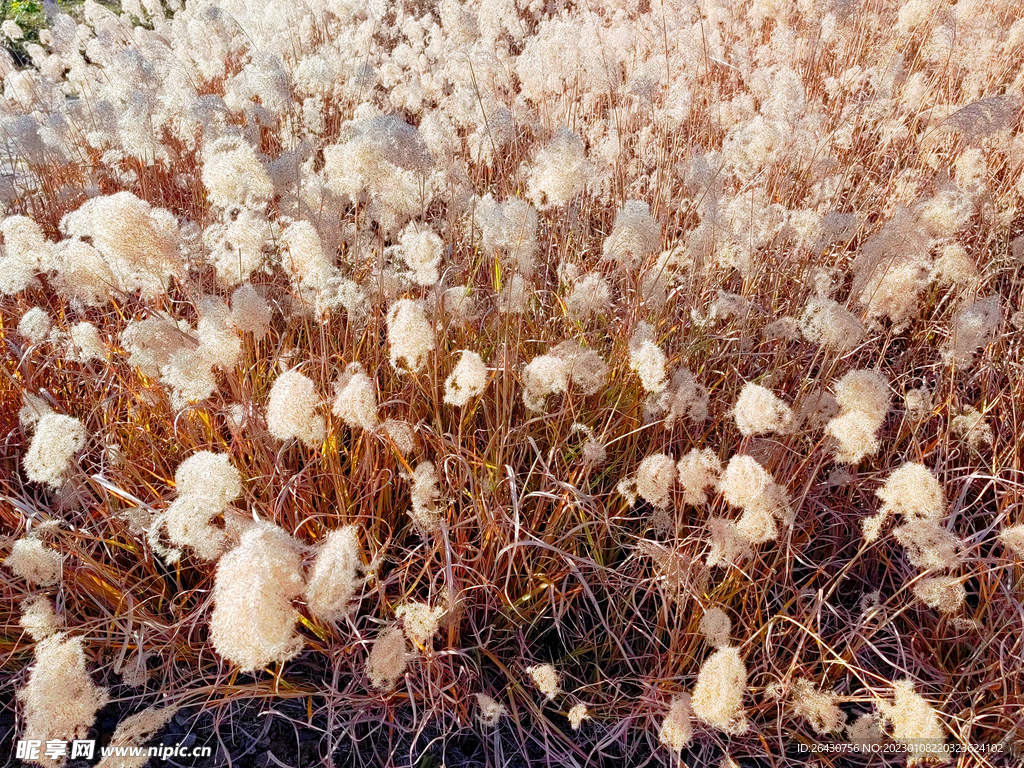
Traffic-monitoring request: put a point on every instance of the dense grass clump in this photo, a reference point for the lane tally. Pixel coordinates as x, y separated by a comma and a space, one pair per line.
514, 383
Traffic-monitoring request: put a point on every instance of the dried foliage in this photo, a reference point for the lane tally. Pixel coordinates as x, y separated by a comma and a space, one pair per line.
629, 383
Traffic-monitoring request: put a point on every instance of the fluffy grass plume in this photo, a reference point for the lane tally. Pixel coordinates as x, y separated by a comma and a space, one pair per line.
60, 699
253, 619
292, 409
758, 411
677, 727
387, 660
546, 678
335, 575
33, 561
915, 724
718, 694
56, 442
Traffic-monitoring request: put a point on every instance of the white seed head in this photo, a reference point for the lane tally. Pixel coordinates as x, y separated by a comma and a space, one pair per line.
305, 261
425, 494
420, 621
830, 324
410, 334
758, 411
677, 727
591, 296
57, 439
206, 483
913, 492
11, 30
718, 695
919, 403
138, 242
421, 249
490, 710
90, 345
929, 545
863, 390
1012, 537
33, 408
467, 380
356, 401
253, 619
558, 172
698, 470
915, 723
854, 434
728, 547
648, 361
387, 659
60, 700
654, 478
544, 375
33, 561
250, 312
292, 410
190, 376
38, 618
715, 625
545, 677
402, 433
577, 714
35, 325
945, 594
818, 707
863, 398
749, 486
971, 427
635, 236
234, 176
334, 578
974, 326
